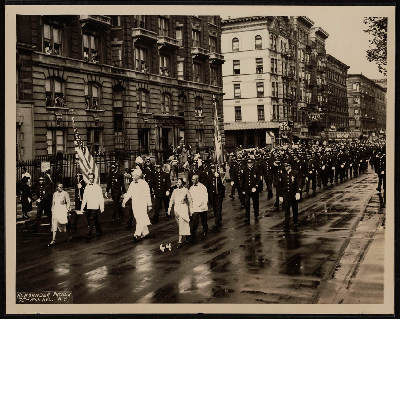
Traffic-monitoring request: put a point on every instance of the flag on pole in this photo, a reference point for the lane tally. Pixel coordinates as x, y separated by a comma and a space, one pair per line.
85, 159
219, 158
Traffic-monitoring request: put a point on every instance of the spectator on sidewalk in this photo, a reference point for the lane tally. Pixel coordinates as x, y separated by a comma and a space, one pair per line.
26, 198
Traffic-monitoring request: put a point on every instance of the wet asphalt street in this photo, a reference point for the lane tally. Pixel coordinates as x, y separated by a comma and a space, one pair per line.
236, 264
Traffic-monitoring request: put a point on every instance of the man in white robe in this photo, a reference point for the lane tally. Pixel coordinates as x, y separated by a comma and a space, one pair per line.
139, 192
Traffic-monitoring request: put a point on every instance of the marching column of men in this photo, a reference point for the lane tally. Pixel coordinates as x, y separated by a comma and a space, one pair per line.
290, 170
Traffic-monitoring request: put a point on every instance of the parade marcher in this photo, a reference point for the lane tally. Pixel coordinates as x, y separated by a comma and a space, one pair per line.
181, 200
276, 169
311, 175
59, 211
92, 202
79, 190
216, 193
289, 192
139, 193
148, 173
268, 175
199, 207
49, 181
25, 197
380, 169
161, 183
174, 166
43, 201
249, 183
116, 185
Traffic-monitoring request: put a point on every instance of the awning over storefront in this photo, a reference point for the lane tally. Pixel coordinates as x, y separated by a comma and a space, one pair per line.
239, 126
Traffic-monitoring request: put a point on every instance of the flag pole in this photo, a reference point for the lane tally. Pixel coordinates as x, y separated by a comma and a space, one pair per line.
219, 158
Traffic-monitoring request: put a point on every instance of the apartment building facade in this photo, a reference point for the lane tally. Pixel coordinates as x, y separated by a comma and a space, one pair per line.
131, 82
271, 74
367, 106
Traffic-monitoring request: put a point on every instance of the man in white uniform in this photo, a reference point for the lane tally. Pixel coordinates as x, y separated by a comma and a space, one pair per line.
92, 202
200, 206
139, 192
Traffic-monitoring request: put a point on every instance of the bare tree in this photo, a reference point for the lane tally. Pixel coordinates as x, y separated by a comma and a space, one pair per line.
377, 27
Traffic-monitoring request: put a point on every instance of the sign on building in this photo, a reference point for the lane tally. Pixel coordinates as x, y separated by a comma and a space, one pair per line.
44, 166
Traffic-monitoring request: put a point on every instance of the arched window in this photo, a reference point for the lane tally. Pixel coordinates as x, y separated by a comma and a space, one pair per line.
235, 44
258, 42
166, 104
198, 107
55, 92
143, 101
92, 96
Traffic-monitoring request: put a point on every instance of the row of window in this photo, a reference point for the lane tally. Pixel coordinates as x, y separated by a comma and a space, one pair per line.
55, 88
258, 43
52, 40
334, 76
278, 112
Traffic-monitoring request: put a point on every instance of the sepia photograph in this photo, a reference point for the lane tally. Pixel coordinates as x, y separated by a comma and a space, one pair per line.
228, 162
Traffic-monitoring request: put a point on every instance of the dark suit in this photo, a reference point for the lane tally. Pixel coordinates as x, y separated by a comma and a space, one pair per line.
289, 185
78, 200
250, 179
115, 183
44, 193
161, 183
216, 192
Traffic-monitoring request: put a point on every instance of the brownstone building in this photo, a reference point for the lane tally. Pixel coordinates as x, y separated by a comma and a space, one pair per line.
134, 82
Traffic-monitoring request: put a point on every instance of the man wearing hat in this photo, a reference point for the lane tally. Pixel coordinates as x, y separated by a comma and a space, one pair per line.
115, 183
161, 183
44, 199
216, 193
289, 192
250, 181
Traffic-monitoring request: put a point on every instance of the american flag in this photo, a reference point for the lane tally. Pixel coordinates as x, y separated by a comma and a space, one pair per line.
85, 159
218, 142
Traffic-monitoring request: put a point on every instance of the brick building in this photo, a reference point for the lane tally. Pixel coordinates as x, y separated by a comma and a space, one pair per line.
367, 105
135, 82
271, 74
336, 109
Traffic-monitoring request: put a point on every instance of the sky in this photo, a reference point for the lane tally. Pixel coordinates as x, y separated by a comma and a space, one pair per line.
347, 42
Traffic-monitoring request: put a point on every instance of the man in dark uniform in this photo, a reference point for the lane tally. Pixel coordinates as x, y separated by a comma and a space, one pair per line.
216, 192
79, 190
161, 183
250, 186
233, 172
268, 174
289, 192
311, 174
148, 173
276, 169
115, 184
43, 201
380, 168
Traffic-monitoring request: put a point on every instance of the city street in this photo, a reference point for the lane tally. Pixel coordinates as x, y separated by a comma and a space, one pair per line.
236, 264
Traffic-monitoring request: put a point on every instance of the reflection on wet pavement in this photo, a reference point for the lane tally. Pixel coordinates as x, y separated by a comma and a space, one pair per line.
238, 263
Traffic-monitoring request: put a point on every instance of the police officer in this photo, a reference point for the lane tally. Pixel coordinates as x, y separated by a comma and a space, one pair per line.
216, 193
311, 174
380, 169
148, 173
250, 186
289, 192
44, 199
161, 183
115, 184
268, 174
